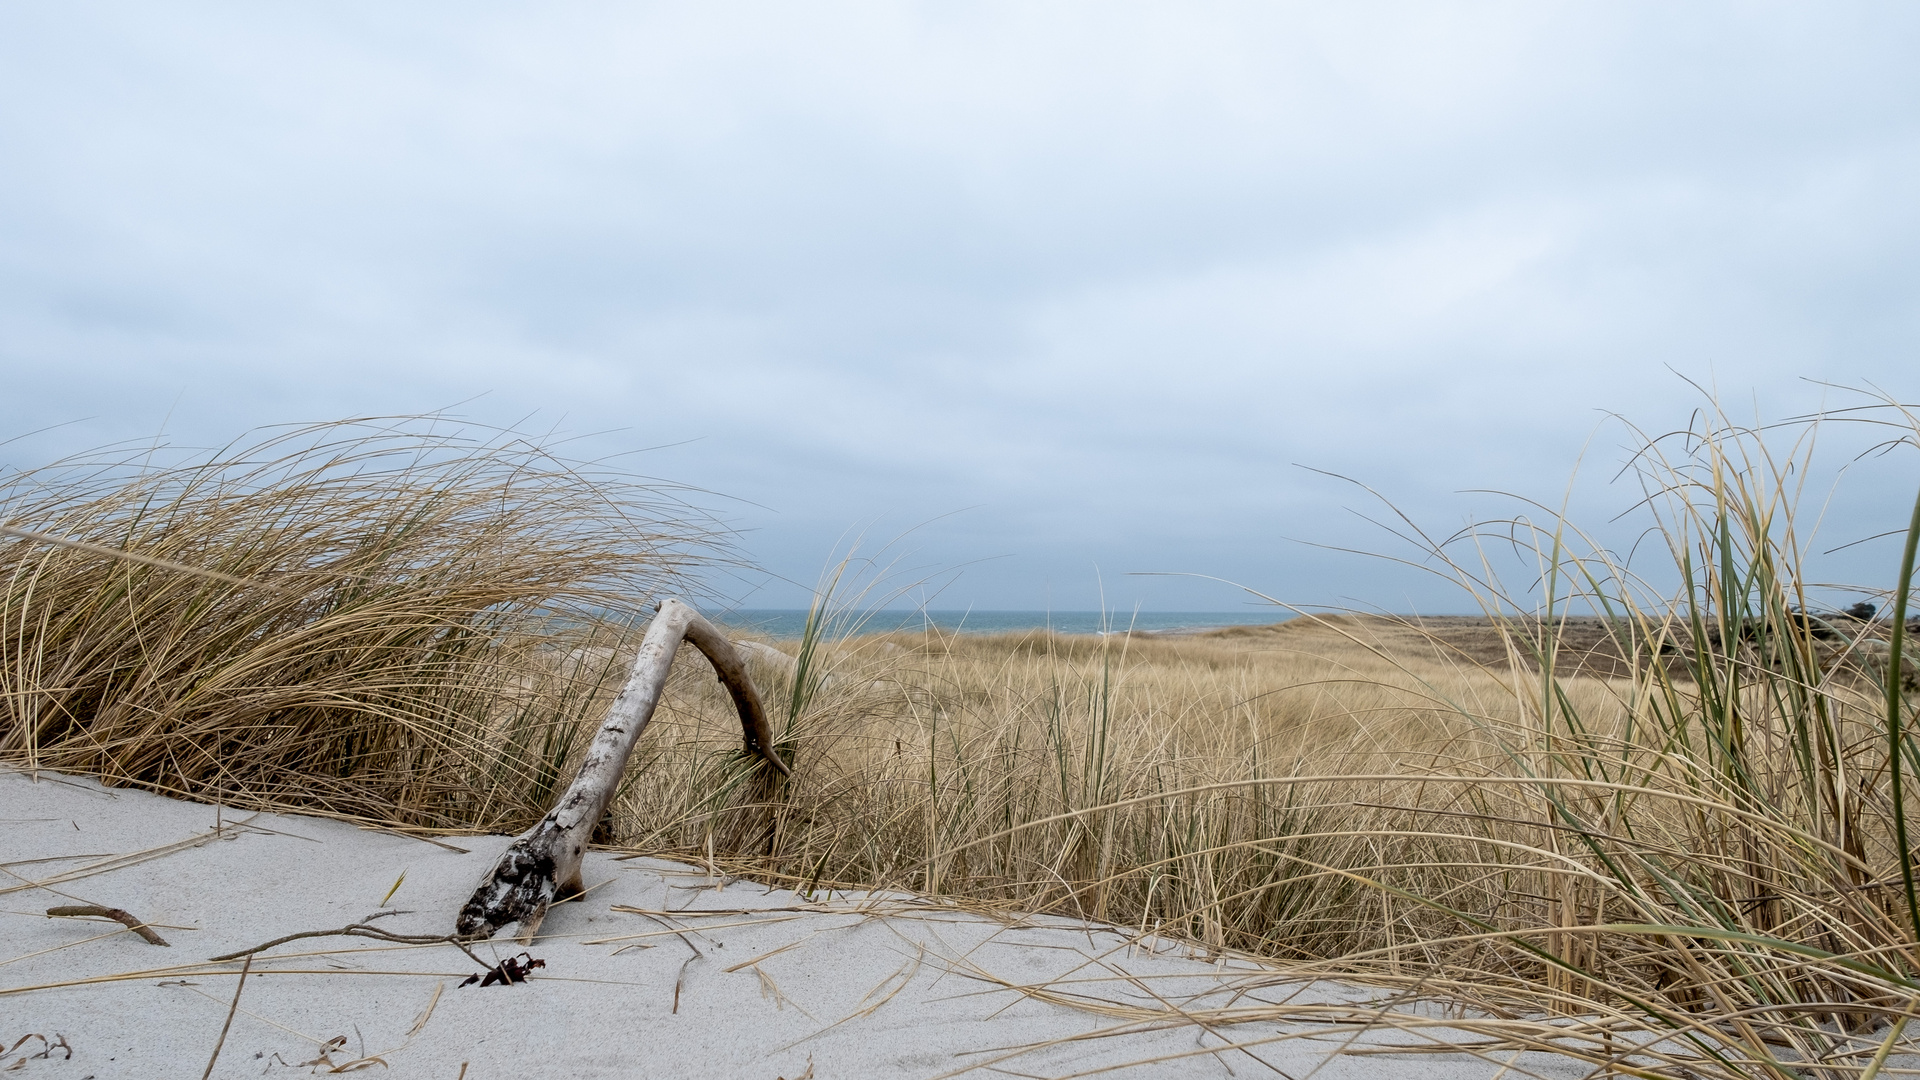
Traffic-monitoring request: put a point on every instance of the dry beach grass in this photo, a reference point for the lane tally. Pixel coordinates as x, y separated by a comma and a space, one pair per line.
1693, 827
383, 657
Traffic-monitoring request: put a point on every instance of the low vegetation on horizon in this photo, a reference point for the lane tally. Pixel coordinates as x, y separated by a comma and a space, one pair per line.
1684, 817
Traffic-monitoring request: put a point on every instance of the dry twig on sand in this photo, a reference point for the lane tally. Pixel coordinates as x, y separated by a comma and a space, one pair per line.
118, 915
228, 1026
353, 930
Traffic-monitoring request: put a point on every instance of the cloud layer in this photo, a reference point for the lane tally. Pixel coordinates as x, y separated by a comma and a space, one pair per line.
1067, 286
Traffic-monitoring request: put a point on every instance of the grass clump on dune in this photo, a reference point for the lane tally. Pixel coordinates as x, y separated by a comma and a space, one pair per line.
376, 635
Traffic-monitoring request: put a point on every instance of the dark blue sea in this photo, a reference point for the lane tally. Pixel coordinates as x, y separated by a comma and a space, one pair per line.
789, 623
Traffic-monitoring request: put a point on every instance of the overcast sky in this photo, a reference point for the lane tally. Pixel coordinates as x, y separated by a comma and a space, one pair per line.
1069, 291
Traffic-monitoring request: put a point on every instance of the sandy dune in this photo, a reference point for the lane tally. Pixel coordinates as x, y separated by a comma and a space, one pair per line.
662, 971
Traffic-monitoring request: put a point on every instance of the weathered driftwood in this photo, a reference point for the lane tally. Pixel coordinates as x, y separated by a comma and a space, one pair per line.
767, 654
544, 864
788, 666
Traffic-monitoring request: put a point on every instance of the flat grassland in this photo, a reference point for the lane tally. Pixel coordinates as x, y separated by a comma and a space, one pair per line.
1335, 788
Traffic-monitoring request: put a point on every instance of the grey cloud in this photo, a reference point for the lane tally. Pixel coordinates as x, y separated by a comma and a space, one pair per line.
1099, 275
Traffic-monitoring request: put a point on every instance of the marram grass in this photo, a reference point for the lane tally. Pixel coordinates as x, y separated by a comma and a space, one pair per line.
1685, 861
393, 655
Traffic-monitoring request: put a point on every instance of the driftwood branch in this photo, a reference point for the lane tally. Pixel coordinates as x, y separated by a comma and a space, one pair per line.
768, 654
543, 865
788, 666
118, 915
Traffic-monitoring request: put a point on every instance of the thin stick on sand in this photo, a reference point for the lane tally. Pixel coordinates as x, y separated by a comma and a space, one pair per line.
355, 930
544, 863
118, 915
231, 1009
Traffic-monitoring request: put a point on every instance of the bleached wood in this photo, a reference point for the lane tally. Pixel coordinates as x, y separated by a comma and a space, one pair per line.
767, 653
544, 863
788, 666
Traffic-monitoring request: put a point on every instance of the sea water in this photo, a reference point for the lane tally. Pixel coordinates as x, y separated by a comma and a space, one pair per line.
778, 623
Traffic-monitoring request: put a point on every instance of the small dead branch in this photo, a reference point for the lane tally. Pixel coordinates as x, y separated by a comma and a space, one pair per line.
118, 915
544, 863
228, 1026
359, 929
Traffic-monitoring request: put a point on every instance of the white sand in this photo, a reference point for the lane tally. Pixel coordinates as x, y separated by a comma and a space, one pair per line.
770, 984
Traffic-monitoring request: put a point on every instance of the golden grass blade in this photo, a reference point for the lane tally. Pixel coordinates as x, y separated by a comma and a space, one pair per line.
132, 556
694, 930
250, 1014
426, 1014
116, 862
396, 888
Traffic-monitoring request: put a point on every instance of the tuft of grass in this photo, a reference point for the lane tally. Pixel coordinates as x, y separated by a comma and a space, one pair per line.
378, 625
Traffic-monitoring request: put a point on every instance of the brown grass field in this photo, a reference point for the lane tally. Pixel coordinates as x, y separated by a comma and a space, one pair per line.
1685, 819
